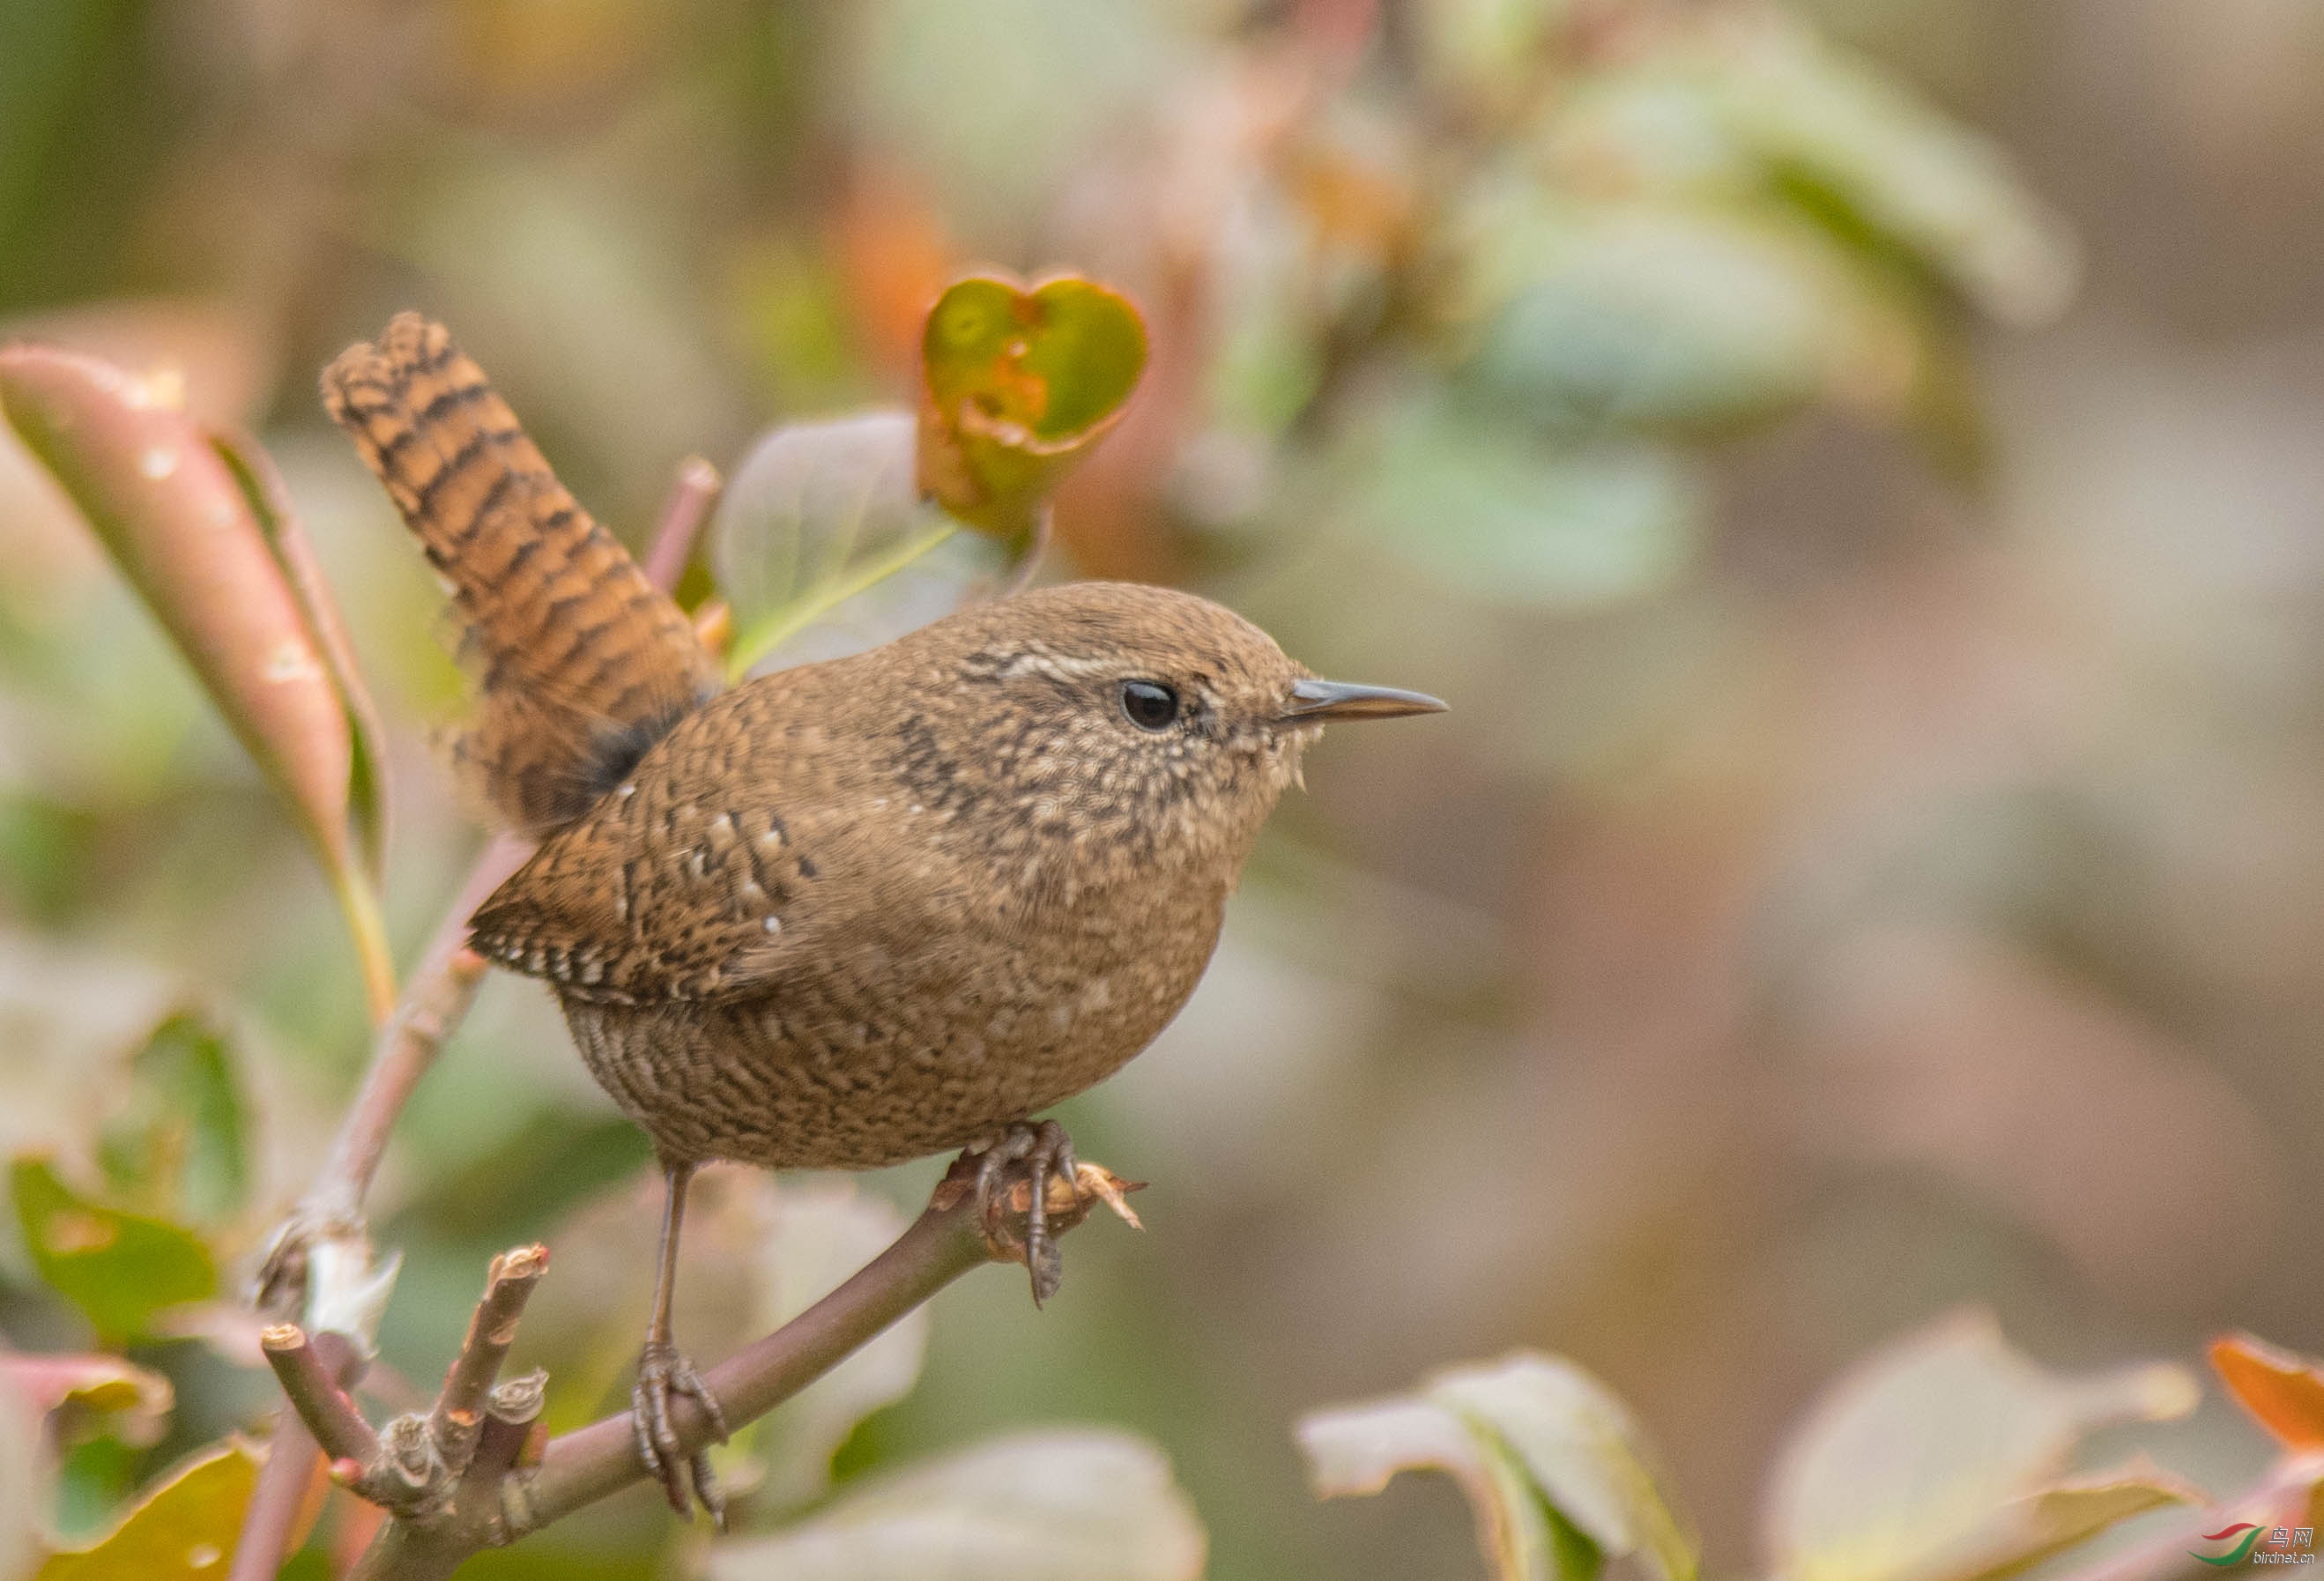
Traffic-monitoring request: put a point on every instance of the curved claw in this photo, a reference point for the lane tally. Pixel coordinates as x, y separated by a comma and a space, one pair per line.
686, 1479
1045, 1150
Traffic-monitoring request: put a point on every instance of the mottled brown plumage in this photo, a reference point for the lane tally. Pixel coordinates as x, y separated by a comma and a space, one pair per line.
863, 911
856, 912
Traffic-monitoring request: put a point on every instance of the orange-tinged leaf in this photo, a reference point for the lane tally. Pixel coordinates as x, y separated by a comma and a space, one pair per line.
1017, 385
184, 529
2283, 1391
184, 1531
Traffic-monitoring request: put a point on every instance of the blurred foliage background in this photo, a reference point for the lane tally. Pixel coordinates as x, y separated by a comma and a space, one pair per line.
1871, 862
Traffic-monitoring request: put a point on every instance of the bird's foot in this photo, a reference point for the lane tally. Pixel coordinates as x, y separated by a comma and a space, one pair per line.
685, 1478
1029, 1169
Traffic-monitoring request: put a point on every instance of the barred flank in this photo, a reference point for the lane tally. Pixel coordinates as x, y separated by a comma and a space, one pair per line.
580, 663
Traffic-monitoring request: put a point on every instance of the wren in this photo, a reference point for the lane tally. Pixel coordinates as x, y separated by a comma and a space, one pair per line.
848, 914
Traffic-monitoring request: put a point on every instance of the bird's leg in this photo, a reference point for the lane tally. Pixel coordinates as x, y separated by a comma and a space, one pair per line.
1045, 1150
662, 1371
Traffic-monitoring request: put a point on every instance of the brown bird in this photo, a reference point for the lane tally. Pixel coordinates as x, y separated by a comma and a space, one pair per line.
854, 912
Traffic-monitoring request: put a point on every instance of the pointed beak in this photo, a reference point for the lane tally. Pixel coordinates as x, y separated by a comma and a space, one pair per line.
1313, 701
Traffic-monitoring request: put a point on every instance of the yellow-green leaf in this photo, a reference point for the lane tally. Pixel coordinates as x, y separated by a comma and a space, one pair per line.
183, 1530
1017, 384
118, 1268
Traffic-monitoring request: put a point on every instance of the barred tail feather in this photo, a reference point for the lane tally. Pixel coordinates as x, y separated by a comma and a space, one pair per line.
580, 663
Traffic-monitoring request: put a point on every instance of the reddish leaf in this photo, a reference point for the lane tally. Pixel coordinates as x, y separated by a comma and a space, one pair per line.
186, 531
105, 1392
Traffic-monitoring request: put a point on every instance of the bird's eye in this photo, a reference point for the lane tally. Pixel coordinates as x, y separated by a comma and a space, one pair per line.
1149, 704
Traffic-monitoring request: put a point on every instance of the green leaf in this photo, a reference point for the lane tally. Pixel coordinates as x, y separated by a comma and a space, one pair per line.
119, 1268
1055, 1504
817, 514
1583, 1452
183, 1530
1983, 1491
180, 1145
1577, 1557
1555, 1471
1897, 168
1680, 320
1494, 513
1018, 386
820, 1235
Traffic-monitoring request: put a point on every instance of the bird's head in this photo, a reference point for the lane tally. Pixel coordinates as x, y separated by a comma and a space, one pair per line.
1137, 727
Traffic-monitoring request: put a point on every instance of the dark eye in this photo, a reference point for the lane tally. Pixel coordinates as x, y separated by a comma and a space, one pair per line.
1150, 705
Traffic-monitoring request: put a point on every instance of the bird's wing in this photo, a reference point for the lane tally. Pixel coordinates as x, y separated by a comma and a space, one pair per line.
700, 876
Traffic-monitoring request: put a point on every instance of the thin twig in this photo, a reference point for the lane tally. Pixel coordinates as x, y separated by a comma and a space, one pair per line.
289, 1468
582, 1466
459, 1408
511, 1416
682, 515
312, 1386
433, 1004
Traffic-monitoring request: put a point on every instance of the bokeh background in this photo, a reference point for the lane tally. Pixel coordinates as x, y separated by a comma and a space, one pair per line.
1853, 467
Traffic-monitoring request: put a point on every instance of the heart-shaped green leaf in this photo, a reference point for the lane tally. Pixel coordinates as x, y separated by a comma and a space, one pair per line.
1016, 386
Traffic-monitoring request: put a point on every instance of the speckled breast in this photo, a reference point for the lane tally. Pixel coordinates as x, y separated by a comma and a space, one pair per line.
860, 1071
